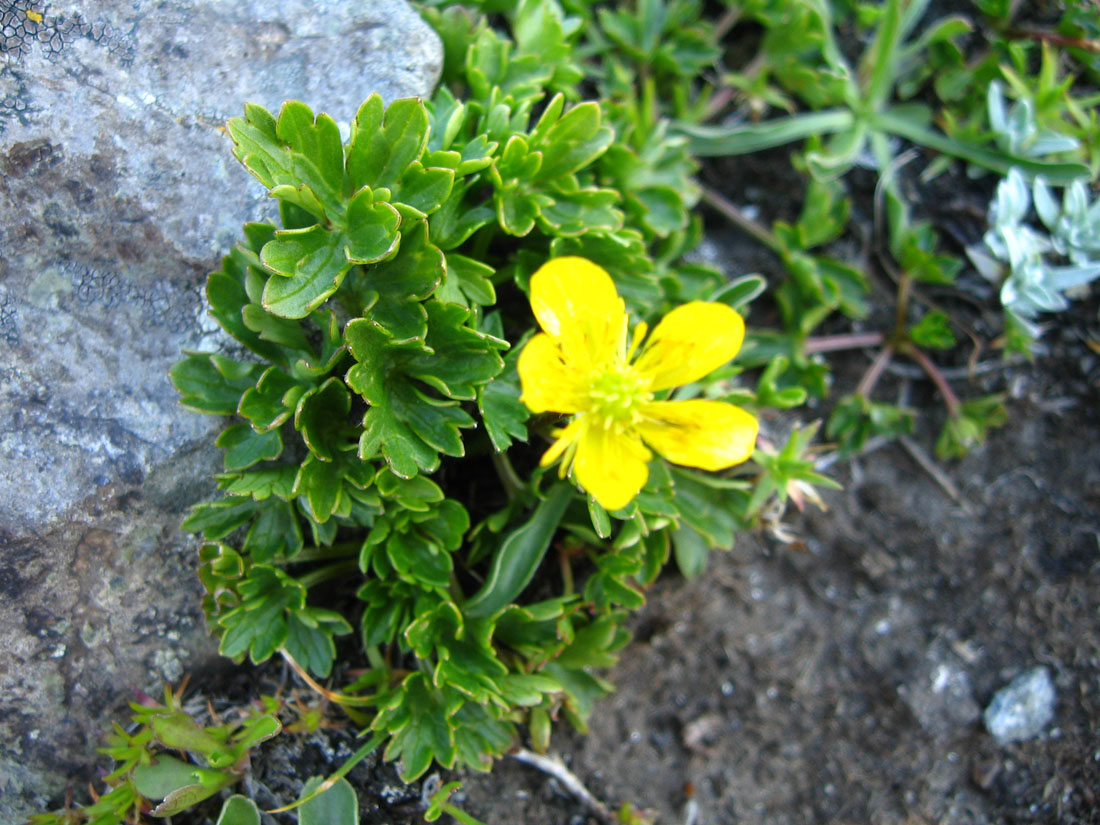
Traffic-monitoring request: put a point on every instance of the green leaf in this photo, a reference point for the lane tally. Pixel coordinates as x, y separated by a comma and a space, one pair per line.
391, 606
423, 190
970, 425
716, 141
405, 423
467, 282
696, 500
457, 359
691, 551
601, 522
258, 626
933, 331
527, 689
212, 384
582, 210
239, 810
256, 730
572, 143
519, 555
321, 416
517, 208
1059, 174
741, 291
393, 290
317, 152
190, 796
260, 484
419, 722
274, 532
299, 157
321, 483
856, 418
310, 265
457, 219
217, 519
228, 298
417, 558
309, 638
285, 332
265, 404
337, 805
244, 446
382, 147
408, 427
371, 233
179, 784
479, 737
504, 415
178, 731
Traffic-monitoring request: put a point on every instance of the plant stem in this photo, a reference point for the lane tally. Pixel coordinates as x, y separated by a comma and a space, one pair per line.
901, 308
871, 377
329, 572
718, 101
332, 695
339, 550
950, 400
1054, 38
834, 343
739, 219
566, 572
513, 485
726, 22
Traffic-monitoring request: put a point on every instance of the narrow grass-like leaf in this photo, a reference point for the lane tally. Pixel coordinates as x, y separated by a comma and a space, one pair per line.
519, 555
741, 139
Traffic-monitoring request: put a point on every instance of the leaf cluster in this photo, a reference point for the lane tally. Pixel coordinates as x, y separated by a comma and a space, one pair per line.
380, 500
149, 777
918, 82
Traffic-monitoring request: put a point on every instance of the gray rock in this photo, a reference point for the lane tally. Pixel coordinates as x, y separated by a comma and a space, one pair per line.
118, 192
939, 693
1021, 710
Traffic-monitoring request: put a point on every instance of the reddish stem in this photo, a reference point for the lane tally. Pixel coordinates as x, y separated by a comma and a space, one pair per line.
833, 343
870, 378
737, 217
950, 400
1055, 39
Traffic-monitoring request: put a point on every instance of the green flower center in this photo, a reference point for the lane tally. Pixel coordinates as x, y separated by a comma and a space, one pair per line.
616, 394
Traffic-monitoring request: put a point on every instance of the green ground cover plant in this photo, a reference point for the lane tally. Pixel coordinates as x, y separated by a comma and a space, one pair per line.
478, 391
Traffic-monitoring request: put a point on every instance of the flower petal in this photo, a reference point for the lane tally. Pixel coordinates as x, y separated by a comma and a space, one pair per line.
710, 435
690, 342
549, 384
611, 465
575, 302
567, 438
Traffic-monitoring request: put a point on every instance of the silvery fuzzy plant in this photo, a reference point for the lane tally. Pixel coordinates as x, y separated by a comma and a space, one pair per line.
1017, 131
1018, 255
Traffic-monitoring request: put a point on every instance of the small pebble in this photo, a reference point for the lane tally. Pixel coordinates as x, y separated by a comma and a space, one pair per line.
1021, 710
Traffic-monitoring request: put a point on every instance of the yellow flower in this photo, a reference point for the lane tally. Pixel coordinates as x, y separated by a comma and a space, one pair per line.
580, 364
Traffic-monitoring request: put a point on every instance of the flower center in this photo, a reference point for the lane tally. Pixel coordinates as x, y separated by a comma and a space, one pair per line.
615, 395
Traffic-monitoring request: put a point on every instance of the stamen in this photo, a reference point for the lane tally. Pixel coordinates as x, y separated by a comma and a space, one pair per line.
615, 396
